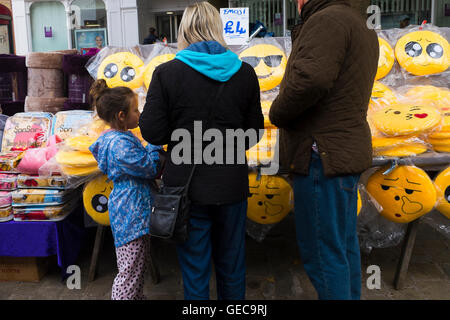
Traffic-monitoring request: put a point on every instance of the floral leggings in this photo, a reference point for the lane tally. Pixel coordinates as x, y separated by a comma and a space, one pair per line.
132, 262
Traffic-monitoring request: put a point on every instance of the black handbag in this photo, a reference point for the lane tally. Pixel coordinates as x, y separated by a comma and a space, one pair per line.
169, 218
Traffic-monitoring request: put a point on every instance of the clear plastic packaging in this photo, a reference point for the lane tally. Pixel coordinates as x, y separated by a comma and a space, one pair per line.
160, 54
9, 161
40, 197
5, 199
6, 214
26, 130
52, 213
8, 182
67, 123
37, 181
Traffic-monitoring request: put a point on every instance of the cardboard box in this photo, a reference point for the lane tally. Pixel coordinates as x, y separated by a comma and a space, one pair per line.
27, 269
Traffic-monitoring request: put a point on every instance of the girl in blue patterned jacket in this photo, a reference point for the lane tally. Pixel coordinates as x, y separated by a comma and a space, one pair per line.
121, 156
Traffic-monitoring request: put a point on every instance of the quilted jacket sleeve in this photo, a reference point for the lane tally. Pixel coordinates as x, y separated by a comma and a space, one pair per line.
312, 72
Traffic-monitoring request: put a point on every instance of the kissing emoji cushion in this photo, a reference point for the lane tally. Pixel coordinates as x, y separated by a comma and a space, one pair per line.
386, 59
423, 53
405, 119
122, 69
270, 199
405, 194
269, 63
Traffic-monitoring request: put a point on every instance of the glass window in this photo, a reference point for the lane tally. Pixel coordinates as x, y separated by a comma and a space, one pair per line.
88, 14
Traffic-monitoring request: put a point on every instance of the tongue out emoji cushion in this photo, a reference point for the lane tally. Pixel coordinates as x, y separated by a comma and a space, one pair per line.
405, 194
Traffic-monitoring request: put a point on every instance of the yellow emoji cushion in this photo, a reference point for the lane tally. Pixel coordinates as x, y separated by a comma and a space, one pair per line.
440, 135
402, 151
79, 171
269, 63
151, 66
388, 142
122, 69
80, 143
265, 106
386, 59
423, 53
270, 199
382, 96
95, 198
442, 184
405, 194
405, 119
359, 204
75, 159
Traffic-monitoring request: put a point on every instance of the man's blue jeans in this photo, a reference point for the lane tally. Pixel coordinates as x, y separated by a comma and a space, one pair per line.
325, 220
217, 232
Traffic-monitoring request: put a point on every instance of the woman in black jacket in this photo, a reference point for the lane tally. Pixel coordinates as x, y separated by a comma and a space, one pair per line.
207, 84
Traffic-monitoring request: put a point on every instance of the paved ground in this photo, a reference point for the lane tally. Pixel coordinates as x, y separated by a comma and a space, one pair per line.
274, 271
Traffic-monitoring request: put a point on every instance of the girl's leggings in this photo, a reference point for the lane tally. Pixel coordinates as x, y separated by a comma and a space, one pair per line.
132, 262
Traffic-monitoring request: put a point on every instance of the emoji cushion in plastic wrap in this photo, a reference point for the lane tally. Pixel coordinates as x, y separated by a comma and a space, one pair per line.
95, 199
151, 66
269, 63
423, 53
442, 184
265, 149
75, 159
265, 106
122, 69
270, 199
405, 194
386, 59
405, 119
80, 143
381, 96
407, 150
389, 142
79, 171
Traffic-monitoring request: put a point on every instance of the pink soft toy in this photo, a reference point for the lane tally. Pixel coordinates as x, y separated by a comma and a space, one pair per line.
35, 158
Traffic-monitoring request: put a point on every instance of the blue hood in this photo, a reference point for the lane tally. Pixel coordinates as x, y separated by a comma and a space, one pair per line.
211, 59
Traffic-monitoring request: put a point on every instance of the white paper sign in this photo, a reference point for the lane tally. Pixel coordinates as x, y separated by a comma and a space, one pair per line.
235, 25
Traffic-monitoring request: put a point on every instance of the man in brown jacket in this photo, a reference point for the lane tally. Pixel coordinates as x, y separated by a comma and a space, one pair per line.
325, 140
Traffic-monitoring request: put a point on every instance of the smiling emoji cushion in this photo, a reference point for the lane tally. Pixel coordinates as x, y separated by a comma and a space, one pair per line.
406, 119
122, 69
423, 53
405, 194
442, 184
269, 63
151, 66
270, 198
95, 198
386, 59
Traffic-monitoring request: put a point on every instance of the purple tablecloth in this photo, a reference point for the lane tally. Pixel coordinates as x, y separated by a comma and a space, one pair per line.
42, 239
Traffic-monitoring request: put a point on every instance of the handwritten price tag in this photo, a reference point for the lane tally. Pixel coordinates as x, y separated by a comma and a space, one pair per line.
235, 25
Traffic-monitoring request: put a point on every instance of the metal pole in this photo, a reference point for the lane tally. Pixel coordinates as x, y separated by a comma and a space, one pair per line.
433, 12
284, 18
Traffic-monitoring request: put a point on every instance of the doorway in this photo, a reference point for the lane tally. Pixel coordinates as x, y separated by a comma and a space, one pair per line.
167, 25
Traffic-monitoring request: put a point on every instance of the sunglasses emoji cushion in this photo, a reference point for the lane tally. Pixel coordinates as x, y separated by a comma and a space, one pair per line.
269, 63
122, 69
423, 53
405, 119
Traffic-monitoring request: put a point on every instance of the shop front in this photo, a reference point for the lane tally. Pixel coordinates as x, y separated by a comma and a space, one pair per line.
43, 26
6, 40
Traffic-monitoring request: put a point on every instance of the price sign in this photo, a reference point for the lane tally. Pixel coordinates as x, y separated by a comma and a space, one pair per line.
235, 25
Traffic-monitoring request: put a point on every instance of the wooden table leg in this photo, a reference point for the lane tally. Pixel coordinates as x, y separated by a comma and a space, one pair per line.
405, 256
95, 253
154, 270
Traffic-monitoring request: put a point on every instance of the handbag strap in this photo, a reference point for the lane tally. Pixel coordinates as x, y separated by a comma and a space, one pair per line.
208, 123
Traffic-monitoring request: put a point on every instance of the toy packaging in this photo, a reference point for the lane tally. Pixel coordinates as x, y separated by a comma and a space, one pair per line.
6, 214
51, 213
8, 182
9, 161
36, 181
67, 123
43, 197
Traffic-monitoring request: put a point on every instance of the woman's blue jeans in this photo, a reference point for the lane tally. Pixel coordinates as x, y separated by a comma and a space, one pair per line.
325, 220
217, 233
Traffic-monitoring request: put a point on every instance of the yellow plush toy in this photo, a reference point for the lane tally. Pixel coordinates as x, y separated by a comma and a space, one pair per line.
151, 66
265, 106
95, 198
406, 119
381, 96
122, 69
423, 53
442, 184
75, 159
270, 199
386, 59
405, 194
80, 143
269, 63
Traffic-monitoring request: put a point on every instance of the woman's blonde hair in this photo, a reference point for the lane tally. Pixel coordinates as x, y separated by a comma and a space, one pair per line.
200, 22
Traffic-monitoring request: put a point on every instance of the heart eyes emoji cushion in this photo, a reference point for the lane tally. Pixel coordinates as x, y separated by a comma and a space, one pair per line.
404, 119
